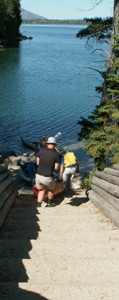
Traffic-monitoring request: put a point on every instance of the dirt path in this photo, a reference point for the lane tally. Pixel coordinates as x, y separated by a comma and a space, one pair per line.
66, 252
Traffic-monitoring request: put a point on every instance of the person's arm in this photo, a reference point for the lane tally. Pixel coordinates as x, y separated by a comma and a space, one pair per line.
38, 157
77, 165
56, 166
37, 160
61, 170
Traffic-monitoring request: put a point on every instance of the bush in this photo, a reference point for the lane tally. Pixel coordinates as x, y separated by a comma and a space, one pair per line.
87, 181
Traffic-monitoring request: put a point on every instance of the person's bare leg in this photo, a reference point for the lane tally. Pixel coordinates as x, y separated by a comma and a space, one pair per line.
41, 196
50, 197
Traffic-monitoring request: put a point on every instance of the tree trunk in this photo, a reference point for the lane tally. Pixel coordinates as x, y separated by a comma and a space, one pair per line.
112, 53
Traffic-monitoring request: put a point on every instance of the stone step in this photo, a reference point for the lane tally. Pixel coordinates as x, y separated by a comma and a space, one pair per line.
73, 270
52, 211
84, 208
57, 235
23, 211
30, 215
64, 222
56, 291
34, 249
76, 203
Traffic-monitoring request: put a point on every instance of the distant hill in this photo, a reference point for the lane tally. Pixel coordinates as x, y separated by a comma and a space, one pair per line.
27, 15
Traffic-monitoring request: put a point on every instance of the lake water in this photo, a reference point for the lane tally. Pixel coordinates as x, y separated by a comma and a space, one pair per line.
44, 88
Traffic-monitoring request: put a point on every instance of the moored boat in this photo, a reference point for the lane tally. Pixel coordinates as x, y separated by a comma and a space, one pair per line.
27, 172
29, 143
7, 153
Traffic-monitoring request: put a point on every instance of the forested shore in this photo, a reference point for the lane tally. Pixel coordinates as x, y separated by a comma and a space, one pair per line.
48, 21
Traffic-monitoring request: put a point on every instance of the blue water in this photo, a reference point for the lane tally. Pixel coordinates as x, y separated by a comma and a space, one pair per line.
44, 87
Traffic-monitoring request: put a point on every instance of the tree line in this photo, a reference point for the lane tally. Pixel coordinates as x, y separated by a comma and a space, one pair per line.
10, 19
52, 21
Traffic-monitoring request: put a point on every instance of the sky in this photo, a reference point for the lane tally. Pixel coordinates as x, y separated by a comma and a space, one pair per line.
69, 9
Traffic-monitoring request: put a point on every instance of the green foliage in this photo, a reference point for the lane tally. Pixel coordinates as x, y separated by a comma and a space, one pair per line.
98, 89
102, 137
100, 131
98, 28
10, 19
87, 181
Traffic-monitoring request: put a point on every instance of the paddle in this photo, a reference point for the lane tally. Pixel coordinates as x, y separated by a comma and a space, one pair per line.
58, 134
34, 148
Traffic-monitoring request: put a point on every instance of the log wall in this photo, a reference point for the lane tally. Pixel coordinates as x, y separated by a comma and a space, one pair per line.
8, 192
104, 192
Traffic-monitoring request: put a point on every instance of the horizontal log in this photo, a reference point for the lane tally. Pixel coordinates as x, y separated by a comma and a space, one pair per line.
116, 166
3, 168
104, 206
111, 171
6, 208
4, 175
6, 194
106, 186
108, 177
4, 184
106, 196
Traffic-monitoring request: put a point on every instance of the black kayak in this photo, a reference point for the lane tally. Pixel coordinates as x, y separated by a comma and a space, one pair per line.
7, 153
29, 143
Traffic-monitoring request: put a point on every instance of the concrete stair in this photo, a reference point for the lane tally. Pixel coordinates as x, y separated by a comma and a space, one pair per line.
67, 252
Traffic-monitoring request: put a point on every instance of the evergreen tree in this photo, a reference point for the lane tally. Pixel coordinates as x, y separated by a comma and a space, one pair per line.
100, 131
97, 28
10, 19
2, 17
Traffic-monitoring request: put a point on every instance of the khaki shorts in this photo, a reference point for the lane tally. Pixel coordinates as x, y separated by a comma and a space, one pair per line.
43, 182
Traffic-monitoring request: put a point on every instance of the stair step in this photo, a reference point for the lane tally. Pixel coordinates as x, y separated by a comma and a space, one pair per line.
72, 270
56, 235
68, 208
56, 291
64, 222
32, 249
61, 215
66, 252
46, 214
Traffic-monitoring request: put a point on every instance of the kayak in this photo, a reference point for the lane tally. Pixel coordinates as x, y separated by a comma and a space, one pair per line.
29, 143
27, 172
7, 153
59, 188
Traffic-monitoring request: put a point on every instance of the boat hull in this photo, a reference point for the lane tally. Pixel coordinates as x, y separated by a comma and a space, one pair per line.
27, 172
59, 188
29, 143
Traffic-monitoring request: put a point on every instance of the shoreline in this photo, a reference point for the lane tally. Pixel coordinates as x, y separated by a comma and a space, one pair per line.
4, 43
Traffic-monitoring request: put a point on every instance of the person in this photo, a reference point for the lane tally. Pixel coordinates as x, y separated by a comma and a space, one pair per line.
43, 141
47, 160
68, 167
